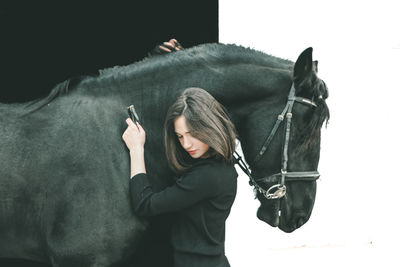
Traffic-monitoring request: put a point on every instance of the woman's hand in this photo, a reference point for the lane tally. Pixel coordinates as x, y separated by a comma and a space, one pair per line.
171, 45
166, 47
134, 135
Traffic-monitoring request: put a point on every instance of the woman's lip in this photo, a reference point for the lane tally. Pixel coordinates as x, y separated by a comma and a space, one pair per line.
191, 151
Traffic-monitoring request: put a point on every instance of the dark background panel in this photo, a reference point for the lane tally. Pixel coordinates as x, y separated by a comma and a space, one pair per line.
43, 44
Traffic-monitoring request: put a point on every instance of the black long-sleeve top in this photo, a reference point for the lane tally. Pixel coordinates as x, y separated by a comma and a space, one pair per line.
202, 198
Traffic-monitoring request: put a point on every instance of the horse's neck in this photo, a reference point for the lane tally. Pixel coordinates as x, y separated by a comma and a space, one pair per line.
262, 87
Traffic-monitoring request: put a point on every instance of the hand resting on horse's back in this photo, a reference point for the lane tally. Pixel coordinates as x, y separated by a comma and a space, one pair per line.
167, 47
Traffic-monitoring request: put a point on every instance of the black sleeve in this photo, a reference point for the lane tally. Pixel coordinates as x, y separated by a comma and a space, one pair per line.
197, 185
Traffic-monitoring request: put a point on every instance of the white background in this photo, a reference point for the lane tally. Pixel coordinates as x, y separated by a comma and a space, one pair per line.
355, 218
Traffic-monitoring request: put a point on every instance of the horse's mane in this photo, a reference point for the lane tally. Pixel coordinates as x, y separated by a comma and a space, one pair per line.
201, 54
213, 53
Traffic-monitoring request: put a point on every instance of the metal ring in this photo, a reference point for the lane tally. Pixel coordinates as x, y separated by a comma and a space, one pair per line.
279, 193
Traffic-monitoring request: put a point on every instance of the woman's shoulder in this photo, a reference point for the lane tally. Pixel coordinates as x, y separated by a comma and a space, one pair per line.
210, 175
214, 167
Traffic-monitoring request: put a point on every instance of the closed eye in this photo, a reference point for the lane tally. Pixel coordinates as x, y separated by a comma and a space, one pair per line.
181, 136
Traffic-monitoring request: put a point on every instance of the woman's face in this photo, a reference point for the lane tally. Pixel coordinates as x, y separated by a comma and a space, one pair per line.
193, 146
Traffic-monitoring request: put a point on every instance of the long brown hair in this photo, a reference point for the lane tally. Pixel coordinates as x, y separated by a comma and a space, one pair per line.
206, 120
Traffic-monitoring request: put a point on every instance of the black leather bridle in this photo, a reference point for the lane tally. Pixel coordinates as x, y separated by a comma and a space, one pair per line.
279, 189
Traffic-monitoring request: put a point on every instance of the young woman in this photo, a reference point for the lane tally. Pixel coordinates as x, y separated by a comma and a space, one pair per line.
199, 143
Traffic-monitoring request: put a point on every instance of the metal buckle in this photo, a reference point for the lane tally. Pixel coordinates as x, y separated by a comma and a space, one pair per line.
279, 193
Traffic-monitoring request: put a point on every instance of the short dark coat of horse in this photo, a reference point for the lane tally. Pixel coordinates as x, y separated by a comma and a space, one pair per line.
64, 172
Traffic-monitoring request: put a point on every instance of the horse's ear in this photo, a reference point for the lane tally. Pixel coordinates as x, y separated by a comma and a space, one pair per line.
304, 64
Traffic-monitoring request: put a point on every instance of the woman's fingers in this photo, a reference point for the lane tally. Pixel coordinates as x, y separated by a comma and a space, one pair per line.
132, 124
129, 122
164, 48
177, 45
140, 127
171, 45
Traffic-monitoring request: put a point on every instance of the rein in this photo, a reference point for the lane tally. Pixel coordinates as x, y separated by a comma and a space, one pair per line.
279, 189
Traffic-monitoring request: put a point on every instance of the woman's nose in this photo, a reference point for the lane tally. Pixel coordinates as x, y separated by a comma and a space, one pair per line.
186, 143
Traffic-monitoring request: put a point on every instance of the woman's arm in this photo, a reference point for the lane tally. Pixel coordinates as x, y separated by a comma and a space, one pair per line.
201, 183
137, 161
135, 137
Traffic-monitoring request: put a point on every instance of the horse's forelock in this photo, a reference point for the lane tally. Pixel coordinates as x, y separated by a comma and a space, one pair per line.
310, 134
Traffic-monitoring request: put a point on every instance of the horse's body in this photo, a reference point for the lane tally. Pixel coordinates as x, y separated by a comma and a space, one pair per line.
64, 172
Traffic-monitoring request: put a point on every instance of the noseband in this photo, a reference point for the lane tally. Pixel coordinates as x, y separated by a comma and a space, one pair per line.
279, 189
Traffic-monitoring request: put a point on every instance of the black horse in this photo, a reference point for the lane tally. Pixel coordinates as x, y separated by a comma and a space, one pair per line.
64, 172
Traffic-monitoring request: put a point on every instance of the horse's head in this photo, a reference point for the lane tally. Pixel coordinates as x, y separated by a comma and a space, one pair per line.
283, 148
